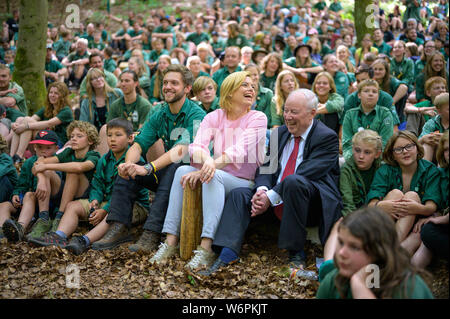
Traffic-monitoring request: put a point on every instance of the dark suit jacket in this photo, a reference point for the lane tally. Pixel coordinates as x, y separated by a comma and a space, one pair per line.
320, 165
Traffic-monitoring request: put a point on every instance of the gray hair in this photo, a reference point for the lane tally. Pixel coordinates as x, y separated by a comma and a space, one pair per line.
311, 98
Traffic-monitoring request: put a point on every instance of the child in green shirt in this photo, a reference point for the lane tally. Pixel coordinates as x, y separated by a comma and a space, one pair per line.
434, 128
78, 162
96, 207
31, 189
369, 262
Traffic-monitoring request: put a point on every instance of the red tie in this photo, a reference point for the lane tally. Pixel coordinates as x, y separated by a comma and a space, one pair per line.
288, 170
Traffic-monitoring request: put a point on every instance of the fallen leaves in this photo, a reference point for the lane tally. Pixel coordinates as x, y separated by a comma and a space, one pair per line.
30, 272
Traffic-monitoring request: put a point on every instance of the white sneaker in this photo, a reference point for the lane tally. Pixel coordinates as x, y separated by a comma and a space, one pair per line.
164, 252
201, 258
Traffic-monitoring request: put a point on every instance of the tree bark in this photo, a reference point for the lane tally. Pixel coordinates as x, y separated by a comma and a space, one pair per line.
31, 50
364, 13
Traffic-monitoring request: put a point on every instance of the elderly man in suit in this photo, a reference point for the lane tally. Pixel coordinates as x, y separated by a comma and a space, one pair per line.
301, 190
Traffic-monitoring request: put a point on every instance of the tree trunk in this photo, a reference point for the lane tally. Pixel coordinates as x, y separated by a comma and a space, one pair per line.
364, 13
31, 50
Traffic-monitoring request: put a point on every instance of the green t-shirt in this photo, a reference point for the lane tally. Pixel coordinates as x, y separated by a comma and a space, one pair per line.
135, 112
220, 75
154, 55
27, 181
379, 119
61, 47
320, 5
162, 124
383, 48
68, 156
103, 181
432, 125
19, 97
214, 105
53, 66
268, 82
65, 115
425, 182
335, 7
264, 102
239, 41
100, 46
403, 71
109, 65
197, 38
75, 56
415, 288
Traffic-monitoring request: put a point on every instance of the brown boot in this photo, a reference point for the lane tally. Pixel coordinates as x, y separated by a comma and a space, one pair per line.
147, 243
117, 234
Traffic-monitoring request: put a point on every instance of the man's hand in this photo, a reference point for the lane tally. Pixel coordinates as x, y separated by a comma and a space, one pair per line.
260, 203
127, 170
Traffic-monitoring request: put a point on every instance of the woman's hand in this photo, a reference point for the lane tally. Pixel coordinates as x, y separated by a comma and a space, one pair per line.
19, 128
192, 178
406, 207
208, 170
388, 207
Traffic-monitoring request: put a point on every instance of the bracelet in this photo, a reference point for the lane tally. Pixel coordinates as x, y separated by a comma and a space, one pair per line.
154, 167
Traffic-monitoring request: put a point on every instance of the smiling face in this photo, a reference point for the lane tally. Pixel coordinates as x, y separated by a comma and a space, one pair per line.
398, 50
232, 58
127, 83
297, 116
174, 88
378, 71
194, 66
53, 95
350, 255
245, 94
322, 87
437, 63
332, 64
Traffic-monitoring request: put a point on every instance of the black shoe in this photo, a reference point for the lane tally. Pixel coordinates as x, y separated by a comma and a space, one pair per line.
13, 230
218, 264
297, 260
77, 245
117, 234
50, 239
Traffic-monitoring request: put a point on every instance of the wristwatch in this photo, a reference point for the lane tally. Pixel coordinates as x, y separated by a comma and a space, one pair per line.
149, 168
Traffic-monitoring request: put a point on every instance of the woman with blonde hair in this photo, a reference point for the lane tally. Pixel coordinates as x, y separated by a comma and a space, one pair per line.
233, 165
55, 115
94, 109
137, 65
316, 46
285, 84
155, 91
343, 54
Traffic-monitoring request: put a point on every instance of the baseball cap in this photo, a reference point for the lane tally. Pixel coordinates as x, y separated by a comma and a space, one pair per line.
46, 137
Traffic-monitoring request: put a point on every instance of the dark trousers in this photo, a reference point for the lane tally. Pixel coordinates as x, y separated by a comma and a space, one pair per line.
6, 189
435, 238
302, 207
125, 192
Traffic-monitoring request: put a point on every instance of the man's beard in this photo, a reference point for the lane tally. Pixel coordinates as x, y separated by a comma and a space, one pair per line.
176, 98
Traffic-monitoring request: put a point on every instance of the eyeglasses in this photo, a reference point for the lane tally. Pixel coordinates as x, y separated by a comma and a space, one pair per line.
408, 147
97, 78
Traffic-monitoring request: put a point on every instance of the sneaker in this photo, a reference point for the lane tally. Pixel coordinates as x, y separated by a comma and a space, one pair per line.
55, 224
117, 234
40, 227
147, 243
13, 230
164, 252
218, 264
50, 239
77, 245
201, 259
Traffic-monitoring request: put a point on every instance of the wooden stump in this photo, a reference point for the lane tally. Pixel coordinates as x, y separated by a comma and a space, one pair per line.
191, 221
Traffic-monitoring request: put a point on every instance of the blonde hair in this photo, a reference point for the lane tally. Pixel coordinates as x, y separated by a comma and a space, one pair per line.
368, 82
330, 81
230, 85
90, 90
368, 137
440, 150
279, 97
201, 83
87, 128
317, 41
159, 76
441, 100
141, 66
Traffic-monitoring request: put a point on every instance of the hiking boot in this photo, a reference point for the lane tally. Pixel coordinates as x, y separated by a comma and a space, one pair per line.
201, 259
40, 227
117, 234
77, 245
218, 264
13, 230
164, 252
297, 260
147, 243
50, 239
55, 224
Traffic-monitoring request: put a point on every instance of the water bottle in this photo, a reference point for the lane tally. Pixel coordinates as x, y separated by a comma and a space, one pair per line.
135, 117
304, 274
